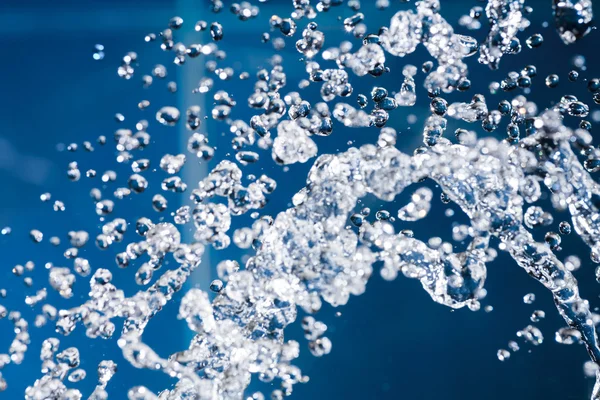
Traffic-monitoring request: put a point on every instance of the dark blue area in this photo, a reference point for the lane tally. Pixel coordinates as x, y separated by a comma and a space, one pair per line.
393, 341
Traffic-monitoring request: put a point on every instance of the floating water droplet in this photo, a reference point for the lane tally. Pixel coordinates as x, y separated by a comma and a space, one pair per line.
537, 316
439, 106
553, 240
168, 115
564, 228
216, 285
403, 35
77, 375
311, 42
175, 22
172, 164
568, 336
535, 40
578, 109
98, 52
216, 31
36, 236
503, 355
200, 26
552, 81
573, 19
592, 164
529, 298
532, 335
137, 183
159, 202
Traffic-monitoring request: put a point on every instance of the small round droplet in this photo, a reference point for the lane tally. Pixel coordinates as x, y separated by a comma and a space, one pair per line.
36, 236
594, 85
573, 76
592, 165
552, 80
537, 315
535, 40
529, 298
98, 52
159, 203
382, 215
357, 219
553, 240
175, 22
504, 107
564, 228
216, 31
168, 115
439, 106
503, 355
216, 285
578, 109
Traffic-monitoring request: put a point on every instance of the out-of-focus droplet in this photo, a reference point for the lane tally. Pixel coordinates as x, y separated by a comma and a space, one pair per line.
216, 31
36, 235
168, 115
552, 81
573, 19
98, 52
535, 40
503, 355
529, 298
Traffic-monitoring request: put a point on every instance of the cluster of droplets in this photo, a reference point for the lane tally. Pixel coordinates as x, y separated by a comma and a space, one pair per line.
321, 249
506, 18
58, 366
408, 29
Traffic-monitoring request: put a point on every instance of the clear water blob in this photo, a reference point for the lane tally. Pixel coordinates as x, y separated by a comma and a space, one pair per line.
98, 52
168, 115
529, 298
503, 355
573, 19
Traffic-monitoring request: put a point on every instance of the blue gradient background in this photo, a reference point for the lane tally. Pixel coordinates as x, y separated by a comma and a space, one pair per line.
392, 342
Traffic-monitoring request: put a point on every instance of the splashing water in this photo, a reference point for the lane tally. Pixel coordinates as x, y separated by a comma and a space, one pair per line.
309, 253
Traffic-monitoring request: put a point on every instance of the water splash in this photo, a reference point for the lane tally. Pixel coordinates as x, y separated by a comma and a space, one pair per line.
309, 253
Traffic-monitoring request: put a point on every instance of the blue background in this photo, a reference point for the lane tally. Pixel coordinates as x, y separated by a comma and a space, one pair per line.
393, 341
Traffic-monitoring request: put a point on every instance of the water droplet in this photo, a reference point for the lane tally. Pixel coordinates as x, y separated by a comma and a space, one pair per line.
529, 298
535, 40
503, 355
552, 81
98, 52
168, 115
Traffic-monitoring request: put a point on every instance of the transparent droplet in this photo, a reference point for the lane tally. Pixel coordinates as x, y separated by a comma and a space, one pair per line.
529, 298
168, 115
98, 52
503, 355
